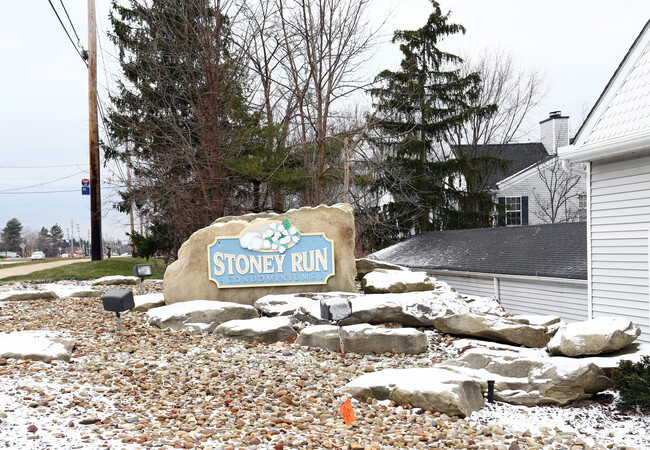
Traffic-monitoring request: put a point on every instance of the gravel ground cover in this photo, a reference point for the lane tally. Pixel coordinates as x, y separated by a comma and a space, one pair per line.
146, 387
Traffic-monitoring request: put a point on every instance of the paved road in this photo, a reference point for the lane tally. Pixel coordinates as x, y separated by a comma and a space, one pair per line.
27, 269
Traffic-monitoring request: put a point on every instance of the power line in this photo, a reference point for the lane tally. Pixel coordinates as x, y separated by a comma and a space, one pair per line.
66, 32
42, 167
71, 24
37, 192
41, 184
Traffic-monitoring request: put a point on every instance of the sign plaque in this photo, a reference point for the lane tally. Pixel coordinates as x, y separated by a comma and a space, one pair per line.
271, 253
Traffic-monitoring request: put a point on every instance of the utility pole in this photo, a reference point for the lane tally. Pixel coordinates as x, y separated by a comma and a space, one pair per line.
95, 193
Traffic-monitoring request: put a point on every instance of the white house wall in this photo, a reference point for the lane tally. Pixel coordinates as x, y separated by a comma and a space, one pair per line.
525, 295
620, 218
533, 184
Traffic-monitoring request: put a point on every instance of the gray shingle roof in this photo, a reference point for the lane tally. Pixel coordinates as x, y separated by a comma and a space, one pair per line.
520, 156
549, 250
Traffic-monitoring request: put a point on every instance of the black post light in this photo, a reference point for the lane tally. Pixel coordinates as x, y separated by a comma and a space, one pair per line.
336, 309
142, 271
118, 301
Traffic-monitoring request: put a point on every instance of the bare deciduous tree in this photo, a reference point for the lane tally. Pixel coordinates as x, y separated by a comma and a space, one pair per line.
324, 45
514, 92
559, 200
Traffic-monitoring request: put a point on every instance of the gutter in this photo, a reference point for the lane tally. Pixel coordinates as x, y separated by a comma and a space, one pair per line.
568, 168
503, 276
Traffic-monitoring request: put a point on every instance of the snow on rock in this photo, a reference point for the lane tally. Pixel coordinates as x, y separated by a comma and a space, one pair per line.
38, 345
27, 294
541, 321
593, 337
381, 281
432, 389
115, 280
530, 376
483, 305
364, 338
71, 291
304, 307
185, 315
262, 329
408, 309
145, 302
495, 328
366, 265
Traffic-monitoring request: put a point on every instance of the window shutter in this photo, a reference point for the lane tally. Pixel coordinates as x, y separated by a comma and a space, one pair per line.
501, 212
524, 210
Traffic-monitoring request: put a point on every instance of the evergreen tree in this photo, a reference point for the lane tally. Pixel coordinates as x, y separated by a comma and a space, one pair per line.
180, 118
43, 241
12, 235
419, 105
56, 238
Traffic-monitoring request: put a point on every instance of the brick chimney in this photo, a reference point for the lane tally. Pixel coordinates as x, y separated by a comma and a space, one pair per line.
554, 132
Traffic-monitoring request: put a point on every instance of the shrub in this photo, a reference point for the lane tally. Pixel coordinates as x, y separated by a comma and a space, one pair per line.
632, 380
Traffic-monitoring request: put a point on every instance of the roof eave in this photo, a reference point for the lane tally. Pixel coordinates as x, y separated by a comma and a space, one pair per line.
611, 148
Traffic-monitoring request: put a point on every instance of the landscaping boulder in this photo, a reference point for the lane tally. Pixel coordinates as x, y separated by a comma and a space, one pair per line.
302, 307
383, 281
593, 337
188, 278
412, 309
262, 329
116, 280
71, 290
145, 302
431, 389
37, 345
495, 328
366, 265
27, 294
199, 315
364, 338
530, 376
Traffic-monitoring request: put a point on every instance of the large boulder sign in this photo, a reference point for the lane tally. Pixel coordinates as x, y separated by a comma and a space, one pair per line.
243, 258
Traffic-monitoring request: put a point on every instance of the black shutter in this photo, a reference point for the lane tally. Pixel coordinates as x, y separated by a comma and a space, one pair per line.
501, 212
524, 210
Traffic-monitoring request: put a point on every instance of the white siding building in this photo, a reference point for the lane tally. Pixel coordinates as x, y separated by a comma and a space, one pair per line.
543, 192
615, 142
535, 269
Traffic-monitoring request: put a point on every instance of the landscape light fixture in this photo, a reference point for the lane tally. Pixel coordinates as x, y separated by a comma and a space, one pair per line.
142, 271
118, 301
336, 309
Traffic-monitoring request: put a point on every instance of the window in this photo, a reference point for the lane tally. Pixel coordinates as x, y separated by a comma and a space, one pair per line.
582, 207
513, 211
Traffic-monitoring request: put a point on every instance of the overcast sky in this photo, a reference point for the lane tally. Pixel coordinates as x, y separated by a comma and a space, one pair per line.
576, 44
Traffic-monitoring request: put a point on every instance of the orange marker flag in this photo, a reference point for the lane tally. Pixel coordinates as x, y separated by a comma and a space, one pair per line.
347, 412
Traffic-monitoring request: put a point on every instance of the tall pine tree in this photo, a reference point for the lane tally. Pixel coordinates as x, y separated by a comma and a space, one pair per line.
179, 118
419, 105
12, 235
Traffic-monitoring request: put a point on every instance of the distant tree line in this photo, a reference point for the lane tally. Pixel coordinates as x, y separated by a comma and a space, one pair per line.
223, 108
50, 241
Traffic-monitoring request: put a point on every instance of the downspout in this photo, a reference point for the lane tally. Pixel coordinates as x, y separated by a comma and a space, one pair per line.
566, 166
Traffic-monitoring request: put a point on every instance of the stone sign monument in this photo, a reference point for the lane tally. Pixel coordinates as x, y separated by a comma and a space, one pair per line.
243, 258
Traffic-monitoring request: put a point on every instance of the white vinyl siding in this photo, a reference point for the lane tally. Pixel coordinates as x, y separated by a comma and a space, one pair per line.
524, 295
620, 217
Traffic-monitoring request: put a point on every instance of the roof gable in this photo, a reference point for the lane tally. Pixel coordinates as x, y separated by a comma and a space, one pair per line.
551, 250
620, 119
520, 157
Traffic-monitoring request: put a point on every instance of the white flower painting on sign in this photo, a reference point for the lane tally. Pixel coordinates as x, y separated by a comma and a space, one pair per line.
270, 236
